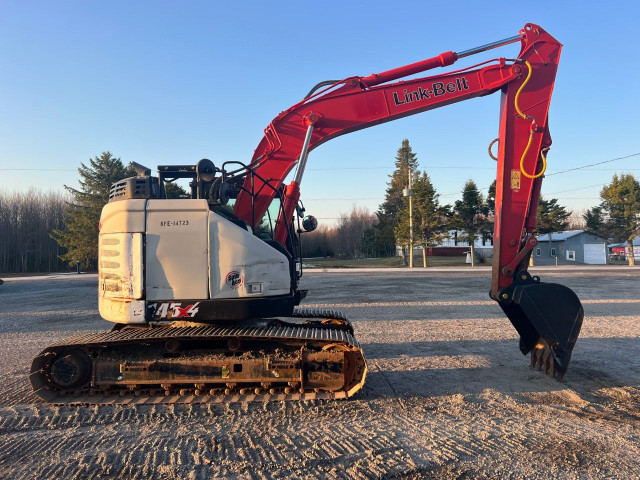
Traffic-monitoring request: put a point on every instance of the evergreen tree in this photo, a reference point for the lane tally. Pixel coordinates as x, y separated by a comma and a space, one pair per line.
173, 190
390, 233
401, 232
594, 220
370, 243
428, 216
491, 200
80, 233
551, 218
487, 227
621, 202
470, 214
383, 238
406, 161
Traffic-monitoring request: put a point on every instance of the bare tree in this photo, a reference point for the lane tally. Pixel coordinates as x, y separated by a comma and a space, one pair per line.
577, 219
320, 242
26, 221
351, 231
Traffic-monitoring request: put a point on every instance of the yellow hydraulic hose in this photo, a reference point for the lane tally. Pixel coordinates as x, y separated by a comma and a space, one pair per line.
533, 123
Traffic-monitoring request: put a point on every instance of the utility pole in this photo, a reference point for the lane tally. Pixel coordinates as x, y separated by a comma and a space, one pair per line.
407, 193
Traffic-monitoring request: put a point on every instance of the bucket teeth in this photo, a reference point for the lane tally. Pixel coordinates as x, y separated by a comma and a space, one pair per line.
548, 318
542, 359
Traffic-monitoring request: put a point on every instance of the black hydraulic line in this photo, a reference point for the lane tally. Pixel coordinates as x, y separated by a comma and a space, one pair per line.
320, 85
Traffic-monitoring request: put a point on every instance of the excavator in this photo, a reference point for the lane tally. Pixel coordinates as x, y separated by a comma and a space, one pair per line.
204, 291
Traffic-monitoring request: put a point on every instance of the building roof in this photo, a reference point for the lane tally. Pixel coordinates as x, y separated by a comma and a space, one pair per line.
559, 236
636, 243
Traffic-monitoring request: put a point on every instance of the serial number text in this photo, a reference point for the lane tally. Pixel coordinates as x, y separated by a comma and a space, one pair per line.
174, 223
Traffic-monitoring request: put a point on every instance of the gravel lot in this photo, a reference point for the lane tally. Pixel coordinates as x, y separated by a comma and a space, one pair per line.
448, 393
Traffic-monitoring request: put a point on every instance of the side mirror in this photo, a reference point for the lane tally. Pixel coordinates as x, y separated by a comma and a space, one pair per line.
224, 193
220, 193
309, 223
206, 170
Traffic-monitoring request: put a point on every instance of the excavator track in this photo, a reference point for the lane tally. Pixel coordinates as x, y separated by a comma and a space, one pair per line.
310, 355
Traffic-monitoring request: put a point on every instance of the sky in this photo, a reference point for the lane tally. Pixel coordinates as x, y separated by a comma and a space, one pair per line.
173, 82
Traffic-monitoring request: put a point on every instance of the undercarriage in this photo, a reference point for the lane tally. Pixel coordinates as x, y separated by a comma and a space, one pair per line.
311, 355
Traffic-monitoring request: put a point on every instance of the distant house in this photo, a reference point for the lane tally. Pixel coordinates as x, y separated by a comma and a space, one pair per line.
573, 245
453, 240
621, 250
453, 245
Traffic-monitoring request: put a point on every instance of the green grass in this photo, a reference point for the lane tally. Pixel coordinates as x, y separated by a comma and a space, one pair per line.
24, 274
387, 262
37, 274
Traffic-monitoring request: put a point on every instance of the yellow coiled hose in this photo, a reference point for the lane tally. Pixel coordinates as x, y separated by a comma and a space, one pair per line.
533, 124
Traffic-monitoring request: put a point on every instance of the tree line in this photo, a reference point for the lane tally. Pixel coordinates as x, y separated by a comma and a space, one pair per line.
617, 218
26, 222
45, 232
361, 234
50, 232
618, 215
352, 237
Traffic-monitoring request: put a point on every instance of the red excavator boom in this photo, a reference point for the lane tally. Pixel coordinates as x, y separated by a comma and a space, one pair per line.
547, 316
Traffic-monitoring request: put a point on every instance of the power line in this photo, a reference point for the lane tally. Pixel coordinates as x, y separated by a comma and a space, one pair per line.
593, 164
478, 190
350, 168
39, 169
392, 168
462, 191
473, 167
579, 188
610, 169
343, 199
316, 169
578, 198
427, 167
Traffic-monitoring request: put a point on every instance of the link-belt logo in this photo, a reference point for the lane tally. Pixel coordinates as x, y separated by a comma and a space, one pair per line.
174, 310
437, 90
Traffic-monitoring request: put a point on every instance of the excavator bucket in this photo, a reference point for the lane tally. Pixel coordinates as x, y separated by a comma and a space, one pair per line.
548, 317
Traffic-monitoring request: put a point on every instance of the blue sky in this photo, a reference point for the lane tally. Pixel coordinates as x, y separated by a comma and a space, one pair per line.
173, 82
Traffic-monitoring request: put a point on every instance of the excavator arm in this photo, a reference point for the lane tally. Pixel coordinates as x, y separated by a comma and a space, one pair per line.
547, 316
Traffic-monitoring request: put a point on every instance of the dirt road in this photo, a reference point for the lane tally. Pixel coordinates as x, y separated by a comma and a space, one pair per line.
448, 393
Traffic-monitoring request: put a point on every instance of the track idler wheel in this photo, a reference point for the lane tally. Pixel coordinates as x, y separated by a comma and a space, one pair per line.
70, 369
548, 317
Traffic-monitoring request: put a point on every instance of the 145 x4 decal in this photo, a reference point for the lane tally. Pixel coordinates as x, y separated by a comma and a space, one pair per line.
173, 310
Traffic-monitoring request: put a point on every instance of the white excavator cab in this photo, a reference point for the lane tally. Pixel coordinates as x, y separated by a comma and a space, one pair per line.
162, 259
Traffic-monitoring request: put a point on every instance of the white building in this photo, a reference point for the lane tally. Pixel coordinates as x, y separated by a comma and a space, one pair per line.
483, 246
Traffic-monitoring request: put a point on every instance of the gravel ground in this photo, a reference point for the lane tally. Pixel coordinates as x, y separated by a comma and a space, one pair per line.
448, 393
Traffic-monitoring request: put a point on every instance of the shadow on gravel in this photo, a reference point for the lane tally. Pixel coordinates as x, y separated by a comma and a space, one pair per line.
52, 321
507, 373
